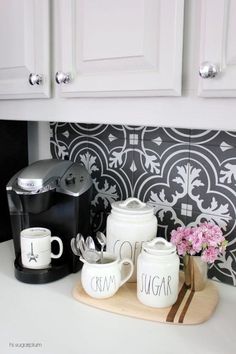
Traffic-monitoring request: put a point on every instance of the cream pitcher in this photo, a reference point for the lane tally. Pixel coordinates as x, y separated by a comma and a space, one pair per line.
130, 223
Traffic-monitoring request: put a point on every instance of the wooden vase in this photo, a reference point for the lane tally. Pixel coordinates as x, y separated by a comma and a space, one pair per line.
195, 272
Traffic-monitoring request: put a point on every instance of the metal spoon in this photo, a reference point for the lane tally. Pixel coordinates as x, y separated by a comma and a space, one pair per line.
102, 240
78, 238
74, 242
81, 245
90, 255
75, 250
89, 242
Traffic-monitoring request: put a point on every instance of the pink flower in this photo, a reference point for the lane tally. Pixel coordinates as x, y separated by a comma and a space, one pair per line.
210, 254
206, 239
196, 239
177, 235
182, 248
213, 234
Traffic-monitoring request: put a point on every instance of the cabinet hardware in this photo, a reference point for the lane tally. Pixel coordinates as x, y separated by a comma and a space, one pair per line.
62, 78
208, 70
35, 79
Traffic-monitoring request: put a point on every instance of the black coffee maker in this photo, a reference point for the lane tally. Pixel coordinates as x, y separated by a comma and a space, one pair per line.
54, 194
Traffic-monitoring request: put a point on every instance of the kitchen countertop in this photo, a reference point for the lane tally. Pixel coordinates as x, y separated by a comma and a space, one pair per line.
48, 317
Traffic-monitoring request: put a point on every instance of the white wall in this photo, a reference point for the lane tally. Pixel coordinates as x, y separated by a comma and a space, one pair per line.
38, 141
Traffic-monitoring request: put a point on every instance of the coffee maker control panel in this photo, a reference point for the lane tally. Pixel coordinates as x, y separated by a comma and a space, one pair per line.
75, 181
70, 179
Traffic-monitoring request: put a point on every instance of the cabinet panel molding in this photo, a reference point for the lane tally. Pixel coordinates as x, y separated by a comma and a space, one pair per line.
24, 41
125, 48
218, 46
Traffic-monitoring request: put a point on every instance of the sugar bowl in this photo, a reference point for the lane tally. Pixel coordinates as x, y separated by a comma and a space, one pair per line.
158, 273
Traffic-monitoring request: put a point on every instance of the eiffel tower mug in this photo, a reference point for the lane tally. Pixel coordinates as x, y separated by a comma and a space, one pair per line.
36, 247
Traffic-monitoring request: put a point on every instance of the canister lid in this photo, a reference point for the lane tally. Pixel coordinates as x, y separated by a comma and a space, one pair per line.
132, 206
159, 247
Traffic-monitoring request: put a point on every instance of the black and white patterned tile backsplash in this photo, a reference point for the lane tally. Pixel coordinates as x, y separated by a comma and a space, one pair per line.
188, 175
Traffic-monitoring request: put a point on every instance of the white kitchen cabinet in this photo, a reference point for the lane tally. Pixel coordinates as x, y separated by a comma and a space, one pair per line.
187, 111
24, 43
120, 48
218, 47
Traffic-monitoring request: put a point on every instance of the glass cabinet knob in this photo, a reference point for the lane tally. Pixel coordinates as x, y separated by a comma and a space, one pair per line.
35, 79
208, 70
62, 78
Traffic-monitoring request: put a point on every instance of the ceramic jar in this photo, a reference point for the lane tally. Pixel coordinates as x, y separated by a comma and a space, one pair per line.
158, 273
130, 223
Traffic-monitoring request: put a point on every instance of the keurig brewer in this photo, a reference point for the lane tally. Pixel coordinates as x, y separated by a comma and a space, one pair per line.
53, 194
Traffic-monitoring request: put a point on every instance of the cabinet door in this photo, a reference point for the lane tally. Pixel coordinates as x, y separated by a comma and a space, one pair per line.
120, 48
218, 47
24, 43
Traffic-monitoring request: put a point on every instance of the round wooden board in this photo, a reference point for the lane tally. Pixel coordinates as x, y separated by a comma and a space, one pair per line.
190, 307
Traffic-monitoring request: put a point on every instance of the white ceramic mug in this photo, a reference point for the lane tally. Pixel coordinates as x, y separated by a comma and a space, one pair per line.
36, 247
102, 280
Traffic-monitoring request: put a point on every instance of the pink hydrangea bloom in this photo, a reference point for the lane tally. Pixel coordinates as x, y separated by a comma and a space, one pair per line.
210, 254
182, 248
196, 239
206, 239
213, 234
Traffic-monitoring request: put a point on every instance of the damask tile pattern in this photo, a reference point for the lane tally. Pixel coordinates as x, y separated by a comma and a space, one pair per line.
218, 138
189, 176
167, 185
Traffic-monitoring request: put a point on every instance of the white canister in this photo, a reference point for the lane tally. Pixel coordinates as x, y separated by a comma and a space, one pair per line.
158, 273
130, 223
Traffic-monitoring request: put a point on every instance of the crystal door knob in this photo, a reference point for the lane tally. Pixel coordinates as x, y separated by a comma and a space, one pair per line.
208, 70
62, 78
35, 79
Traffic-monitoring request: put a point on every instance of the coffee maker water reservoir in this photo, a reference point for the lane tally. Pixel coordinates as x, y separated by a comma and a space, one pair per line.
53, 194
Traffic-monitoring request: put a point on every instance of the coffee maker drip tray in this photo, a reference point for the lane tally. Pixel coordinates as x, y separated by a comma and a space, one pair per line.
40, 276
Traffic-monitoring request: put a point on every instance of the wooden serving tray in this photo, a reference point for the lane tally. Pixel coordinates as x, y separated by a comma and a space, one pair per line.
190, 308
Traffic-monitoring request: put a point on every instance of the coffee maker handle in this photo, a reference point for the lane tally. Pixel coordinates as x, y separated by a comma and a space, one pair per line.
55, 238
